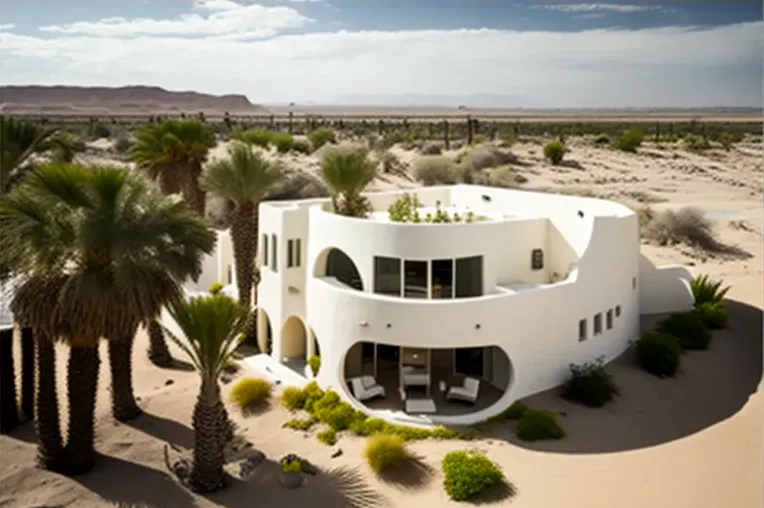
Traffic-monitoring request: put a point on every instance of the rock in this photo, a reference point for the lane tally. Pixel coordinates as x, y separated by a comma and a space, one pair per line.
169, 382
336, 453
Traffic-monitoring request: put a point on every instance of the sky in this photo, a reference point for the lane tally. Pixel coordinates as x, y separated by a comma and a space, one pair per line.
494, 53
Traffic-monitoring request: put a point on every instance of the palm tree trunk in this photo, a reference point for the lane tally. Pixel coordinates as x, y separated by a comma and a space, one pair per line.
82, 387
159, 353
244, 239
226, 425
195, 196
50, 450
27, 372
207, 471
9, 411
123, 405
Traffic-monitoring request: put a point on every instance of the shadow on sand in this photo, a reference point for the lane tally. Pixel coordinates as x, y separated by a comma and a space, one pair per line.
128, 484
413, 475
164, 429
711, 387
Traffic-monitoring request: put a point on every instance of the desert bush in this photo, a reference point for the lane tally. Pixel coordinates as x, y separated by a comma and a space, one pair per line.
467, 474
435, 170
485, 156
479, 139
314, 362
537, 424
590, 385
311, 393
629, 140
390, 162
507, 138
332, 411
432, 149
255, 137
714, 315
696, 143
502, 176
689, 328
99, 130
705, 290
602, 139
301, 146
282, 141
249, 391
659, 353
687, 225
384, 452
369, 426
301, 424
216, 288
513, 412
298, 186
327, 436
293, 398
554, 151
122, 145
321, 137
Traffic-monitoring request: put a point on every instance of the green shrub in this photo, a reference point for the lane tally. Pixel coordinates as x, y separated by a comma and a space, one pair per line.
536, 424
432, 149
696, 143
299, 423
122, 144
384, 452
689, 328
513, 412
293, 398
602, 139
249, 391
590, 385
311, 393
301, 146
369, 426
659, 353
705, 290
256, 137
282, 141
435, 170
320, 137
714, 315
216, 288
630, 140
327, 436
291, 466
554, 151
479, 139
99, 130
314, 362
467, 474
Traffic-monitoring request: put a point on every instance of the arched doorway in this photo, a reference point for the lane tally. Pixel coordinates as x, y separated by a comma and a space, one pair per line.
264, 332
333, 262
294, 340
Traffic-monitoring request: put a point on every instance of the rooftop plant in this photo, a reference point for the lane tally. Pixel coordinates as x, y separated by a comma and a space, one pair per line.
406, 209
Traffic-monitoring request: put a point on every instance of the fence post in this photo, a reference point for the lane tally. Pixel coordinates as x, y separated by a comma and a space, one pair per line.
469, 129
446, 137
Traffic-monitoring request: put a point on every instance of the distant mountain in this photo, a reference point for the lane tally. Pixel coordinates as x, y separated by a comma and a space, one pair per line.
76, 100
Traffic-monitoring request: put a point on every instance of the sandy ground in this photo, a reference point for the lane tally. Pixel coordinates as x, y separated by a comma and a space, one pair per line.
694, 441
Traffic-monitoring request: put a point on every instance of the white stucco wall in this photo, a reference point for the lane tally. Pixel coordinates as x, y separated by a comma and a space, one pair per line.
594, 242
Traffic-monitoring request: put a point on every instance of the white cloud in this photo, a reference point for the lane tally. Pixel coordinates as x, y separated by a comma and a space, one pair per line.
7, 26
622, 8
671, 66
224, 18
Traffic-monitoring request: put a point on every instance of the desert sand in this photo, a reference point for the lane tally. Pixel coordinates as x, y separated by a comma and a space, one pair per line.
695, 441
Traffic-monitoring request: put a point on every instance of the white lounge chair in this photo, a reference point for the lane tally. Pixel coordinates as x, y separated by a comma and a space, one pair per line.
414, 377
366, 387
468, 392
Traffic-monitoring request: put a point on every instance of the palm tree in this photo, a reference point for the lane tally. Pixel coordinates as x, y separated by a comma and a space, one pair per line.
347, 171
19, 139
172, 153
244, 179
212, 327
97, 251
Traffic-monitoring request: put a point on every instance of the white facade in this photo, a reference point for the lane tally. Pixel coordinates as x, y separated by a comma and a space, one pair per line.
591, 270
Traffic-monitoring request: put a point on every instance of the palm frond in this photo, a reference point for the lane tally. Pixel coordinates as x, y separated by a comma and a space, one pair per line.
19, 139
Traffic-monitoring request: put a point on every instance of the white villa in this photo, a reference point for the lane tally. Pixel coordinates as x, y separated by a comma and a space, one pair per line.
450, 322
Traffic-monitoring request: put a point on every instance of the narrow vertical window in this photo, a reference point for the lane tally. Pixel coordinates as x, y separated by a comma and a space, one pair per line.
582, 330
290, 253
264, 257
274, 254
297, 252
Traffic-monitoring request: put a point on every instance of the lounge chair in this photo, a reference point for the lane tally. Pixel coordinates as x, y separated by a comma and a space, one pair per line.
415, 376
468, 392
366, 387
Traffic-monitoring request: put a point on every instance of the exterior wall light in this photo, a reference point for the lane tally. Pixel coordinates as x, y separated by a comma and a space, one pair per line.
363, 324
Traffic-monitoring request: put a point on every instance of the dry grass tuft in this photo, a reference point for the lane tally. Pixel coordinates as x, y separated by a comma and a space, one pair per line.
687, 225
486, 156
435, 170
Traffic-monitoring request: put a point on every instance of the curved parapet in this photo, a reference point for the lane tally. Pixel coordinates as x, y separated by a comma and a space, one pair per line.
664, 289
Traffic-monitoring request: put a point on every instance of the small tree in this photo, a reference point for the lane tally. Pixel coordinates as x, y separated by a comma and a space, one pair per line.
630, 140
347, 171
554, 151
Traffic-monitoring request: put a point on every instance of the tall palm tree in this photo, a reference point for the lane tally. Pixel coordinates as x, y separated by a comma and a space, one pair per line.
19, 139
347, 171
212, 328
244, 179
172, 153
97, 250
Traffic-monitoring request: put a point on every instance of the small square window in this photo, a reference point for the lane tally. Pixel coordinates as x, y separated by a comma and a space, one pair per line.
290, 253
297, 252
598, 323
609, 319
633, 283
582, 330
229, 274
617, 311
537, 259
